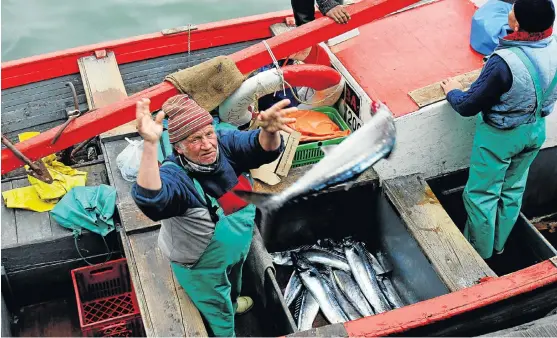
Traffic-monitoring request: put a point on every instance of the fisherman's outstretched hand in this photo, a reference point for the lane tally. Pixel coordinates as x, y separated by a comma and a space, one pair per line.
150, 130
274, 119
339, 14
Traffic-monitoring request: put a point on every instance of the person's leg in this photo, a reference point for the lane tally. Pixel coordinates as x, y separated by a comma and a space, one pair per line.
488, 165
515, 182
511, 196
304, 11
210, 292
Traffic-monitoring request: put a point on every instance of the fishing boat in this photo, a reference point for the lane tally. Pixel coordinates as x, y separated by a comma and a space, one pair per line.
408, 206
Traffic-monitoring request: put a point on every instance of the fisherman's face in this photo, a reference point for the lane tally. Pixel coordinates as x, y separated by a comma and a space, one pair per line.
513, 23
200, 147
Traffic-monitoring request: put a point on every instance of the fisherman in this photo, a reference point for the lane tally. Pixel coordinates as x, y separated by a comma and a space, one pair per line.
515, 91
206, 230
304, 10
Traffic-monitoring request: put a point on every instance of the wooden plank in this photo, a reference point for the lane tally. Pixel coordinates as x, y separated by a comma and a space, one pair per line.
103, 86
101, 80
544, 327
134, 275
456, 262
434, 93
161, 296
31, 225
134, 219
9, 229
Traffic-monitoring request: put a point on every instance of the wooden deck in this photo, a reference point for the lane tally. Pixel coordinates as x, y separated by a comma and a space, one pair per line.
37, 252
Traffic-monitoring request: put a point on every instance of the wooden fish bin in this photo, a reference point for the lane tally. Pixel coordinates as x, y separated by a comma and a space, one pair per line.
365, 213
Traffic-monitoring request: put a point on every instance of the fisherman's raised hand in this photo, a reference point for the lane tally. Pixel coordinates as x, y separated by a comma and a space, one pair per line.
450, 84
275, 118
149, 129
339, 14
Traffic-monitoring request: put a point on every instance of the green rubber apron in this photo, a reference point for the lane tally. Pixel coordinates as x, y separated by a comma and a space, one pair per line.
214, 282
499, 166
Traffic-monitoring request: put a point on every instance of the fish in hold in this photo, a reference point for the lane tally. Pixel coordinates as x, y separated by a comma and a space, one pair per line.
365, 276
314, 281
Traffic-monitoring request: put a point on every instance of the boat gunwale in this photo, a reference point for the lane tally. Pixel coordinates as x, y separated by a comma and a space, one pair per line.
141, 47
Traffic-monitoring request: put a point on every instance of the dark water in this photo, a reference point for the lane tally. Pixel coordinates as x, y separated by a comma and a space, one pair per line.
32, 27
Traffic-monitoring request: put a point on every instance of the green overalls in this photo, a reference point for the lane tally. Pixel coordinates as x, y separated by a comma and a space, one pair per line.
499, 167
214, 282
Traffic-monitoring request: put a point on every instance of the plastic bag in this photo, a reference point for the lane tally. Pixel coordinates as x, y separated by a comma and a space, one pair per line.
129, 159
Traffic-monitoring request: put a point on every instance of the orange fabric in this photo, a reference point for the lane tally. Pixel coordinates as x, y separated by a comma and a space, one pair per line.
315, 126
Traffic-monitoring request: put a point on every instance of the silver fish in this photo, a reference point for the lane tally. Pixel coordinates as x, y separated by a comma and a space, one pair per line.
326, 257
365, 276
349, 309
293, 288
307, 312
342, 163
315, 283
385, 263
284, 258
352, 291
375, 264
331, 245
390, 292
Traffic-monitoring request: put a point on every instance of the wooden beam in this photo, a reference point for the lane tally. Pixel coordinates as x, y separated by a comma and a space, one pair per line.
51, 65
455, 260
434, 93
247, 60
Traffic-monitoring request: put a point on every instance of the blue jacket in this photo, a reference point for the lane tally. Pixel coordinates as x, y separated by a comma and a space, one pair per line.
504, 91
240, 151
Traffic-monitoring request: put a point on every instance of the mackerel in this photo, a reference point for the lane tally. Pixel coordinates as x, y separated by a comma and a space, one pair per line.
352, 291
314, 281
390, 292
365, 276
293, 288
308, 310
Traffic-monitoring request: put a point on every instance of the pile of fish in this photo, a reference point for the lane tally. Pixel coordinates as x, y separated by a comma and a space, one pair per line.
343, 280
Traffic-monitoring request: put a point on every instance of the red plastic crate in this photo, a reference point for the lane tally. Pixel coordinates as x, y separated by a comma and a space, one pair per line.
106, 299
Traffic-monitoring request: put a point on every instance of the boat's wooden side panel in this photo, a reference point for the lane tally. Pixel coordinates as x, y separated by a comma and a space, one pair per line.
9, 229
31, 225
36, 226
42, 105
545, 327
454, 259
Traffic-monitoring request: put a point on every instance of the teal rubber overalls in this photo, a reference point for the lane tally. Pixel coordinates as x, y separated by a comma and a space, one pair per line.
214, 282
499, 167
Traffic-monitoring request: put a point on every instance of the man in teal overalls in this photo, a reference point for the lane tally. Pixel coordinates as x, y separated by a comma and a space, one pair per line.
515, 91
206, 230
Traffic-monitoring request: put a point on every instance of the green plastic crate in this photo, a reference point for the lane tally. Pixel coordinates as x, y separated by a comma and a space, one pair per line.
310, 153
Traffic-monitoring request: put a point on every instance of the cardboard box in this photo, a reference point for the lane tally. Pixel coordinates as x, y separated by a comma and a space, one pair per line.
271, 173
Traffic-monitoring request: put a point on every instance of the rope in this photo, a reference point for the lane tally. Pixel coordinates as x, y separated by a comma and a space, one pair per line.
86, 261
277, 66
189, 44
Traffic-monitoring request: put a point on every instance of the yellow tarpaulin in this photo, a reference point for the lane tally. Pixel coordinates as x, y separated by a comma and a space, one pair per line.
41, 196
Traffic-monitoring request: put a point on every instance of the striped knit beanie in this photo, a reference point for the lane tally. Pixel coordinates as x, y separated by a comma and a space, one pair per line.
185, 117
